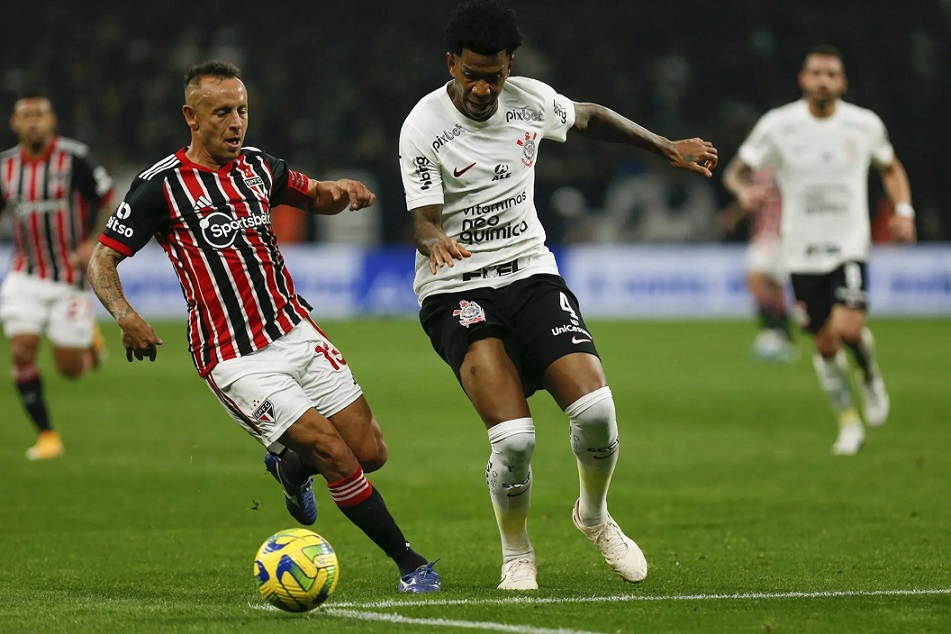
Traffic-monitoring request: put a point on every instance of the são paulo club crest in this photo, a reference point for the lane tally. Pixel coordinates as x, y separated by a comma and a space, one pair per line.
469, 313
528, 148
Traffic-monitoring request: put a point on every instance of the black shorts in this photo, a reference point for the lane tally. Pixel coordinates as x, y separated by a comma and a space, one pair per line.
537, 319
816, 294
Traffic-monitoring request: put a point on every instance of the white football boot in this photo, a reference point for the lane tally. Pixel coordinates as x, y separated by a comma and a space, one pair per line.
619, 550
520, 574
851, 437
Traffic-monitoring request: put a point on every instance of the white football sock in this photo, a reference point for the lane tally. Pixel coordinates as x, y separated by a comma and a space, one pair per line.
834, 379
509, 477
594, 441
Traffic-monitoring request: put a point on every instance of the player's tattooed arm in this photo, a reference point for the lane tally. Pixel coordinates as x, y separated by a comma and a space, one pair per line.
138, 338
597, 122
431, 239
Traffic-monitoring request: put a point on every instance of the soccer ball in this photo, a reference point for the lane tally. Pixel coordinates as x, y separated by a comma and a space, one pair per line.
296, 570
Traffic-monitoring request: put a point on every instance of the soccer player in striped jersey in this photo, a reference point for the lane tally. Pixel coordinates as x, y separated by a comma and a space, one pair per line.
765, 277
55, 190
275, 372
821, 148
492, 300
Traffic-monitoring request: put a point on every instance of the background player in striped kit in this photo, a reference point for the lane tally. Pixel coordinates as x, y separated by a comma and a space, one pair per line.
493, 303
821, 148
250, 334
56, 192
765, 277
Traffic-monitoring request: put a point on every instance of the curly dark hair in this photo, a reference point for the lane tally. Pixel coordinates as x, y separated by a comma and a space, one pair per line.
211, 68
484, 27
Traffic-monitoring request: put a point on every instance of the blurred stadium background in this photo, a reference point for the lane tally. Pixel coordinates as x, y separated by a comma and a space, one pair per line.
330, 87
729, 480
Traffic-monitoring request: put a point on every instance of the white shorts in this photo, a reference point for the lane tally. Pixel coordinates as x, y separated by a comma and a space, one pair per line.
766, 256
30, 305
268, 390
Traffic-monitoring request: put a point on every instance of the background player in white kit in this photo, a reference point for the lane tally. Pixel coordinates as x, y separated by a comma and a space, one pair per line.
821, 148
493, 304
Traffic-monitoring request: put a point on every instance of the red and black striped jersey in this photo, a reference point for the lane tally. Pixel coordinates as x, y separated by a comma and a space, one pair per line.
215, 227
55, 200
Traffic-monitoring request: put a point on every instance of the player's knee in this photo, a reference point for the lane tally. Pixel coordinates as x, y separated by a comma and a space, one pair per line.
593, 410
71, 369
513, 441
851, 333
374, 457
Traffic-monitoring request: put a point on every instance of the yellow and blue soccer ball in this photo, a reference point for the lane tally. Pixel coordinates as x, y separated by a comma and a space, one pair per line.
296, 570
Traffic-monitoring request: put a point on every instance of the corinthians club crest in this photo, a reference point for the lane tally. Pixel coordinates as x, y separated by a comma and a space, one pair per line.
469, 313
528, 148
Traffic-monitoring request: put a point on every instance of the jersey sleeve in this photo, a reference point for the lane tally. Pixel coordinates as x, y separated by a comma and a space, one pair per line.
419, 169
559, 112
759, 148
880, 148
137, 218
94, 184
289, 186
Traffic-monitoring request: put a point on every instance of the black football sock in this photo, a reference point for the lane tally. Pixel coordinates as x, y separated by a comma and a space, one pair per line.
31, 393
364, 506
862, 359
775, 320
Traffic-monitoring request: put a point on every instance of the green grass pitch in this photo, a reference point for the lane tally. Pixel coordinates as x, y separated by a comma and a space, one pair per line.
150, 520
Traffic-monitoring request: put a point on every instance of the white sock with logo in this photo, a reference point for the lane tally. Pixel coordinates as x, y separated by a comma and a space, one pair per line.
509, 477
594, 441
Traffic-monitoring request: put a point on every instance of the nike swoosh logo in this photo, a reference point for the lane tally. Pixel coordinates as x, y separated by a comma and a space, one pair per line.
459, 172
576, 340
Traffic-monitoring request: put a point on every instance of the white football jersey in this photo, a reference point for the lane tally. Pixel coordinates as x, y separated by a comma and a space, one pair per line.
483, 173
822, 173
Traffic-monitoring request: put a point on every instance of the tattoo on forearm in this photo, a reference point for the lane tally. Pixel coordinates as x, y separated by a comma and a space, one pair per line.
104, 279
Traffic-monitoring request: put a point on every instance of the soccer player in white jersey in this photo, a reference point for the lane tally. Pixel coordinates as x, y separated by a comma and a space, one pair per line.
821, 148
493, 303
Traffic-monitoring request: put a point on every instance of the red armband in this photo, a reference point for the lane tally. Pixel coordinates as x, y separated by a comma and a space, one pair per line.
297, 181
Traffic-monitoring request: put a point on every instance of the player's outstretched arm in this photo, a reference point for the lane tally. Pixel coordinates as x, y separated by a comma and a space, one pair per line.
431, 239
597, 122
138, 338
332, 197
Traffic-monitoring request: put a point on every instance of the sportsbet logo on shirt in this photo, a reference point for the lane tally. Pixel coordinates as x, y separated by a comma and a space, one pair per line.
219, 229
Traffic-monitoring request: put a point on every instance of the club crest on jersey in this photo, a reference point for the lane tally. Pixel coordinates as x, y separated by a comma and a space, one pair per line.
264, 412
469, 313
528, 148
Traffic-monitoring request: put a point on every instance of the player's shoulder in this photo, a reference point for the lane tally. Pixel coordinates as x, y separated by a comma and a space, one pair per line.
12, 151
527, 89
72, 146
250, 150
788, 112
858, 115
426, 109
160, 169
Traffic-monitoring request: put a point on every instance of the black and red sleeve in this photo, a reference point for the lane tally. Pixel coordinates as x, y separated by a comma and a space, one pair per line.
290, 186
137, 218
94, 185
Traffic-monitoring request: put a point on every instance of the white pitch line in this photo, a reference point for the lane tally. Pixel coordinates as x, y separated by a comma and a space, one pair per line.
744, 596
471, 625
